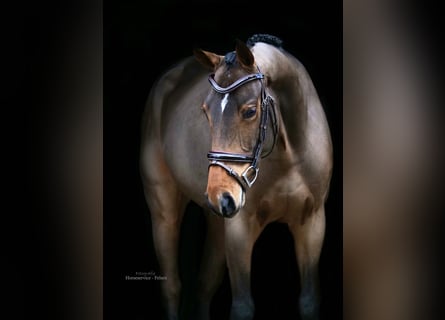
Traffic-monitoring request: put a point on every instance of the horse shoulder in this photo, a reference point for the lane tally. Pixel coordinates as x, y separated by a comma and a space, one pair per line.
153, 166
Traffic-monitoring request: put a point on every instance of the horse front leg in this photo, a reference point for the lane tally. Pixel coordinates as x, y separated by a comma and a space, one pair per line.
308, 240
241, 232
212, 267
167, 207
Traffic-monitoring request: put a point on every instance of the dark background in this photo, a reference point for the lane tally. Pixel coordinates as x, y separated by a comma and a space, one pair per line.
141, 40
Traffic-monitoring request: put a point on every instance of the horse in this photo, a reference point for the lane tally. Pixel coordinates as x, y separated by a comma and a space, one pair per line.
244, 136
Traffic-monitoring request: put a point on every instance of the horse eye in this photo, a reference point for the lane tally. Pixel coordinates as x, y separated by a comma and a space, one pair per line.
249, 113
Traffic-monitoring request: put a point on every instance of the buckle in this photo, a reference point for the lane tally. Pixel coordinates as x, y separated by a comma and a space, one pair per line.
249, 175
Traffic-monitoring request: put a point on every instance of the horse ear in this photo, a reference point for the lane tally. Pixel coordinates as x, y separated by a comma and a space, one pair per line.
209, 60
244, 55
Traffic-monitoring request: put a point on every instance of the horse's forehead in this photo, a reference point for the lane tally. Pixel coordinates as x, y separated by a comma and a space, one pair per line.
237, 96
225, 75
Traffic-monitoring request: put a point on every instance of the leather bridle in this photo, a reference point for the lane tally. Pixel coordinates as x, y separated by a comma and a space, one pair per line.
217, 158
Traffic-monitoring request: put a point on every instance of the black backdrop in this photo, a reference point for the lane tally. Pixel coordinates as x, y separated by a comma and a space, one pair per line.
141, 40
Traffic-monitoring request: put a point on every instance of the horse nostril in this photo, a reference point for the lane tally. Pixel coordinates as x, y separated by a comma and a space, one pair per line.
227, 205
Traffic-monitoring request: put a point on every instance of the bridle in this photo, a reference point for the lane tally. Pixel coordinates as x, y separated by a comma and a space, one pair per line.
216, 158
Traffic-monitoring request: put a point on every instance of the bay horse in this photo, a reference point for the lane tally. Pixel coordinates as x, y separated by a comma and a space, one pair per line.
245, 137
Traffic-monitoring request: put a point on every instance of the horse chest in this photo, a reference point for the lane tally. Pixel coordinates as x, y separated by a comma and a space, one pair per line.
285, 200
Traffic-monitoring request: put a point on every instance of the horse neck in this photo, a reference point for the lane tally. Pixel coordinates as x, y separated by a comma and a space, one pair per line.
292, 90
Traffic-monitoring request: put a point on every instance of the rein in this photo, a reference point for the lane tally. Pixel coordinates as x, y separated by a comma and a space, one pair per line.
216, 158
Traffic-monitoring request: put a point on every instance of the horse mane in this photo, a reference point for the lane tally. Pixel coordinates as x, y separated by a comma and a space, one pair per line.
266, 38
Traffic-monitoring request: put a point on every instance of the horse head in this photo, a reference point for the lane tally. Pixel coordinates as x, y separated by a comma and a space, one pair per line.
237, 109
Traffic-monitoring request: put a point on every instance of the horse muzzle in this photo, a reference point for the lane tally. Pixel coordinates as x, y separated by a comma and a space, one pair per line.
225, 205
224, 195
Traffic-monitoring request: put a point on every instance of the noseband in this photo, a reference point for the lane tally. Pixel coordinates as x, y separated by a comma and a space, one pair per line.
216, 158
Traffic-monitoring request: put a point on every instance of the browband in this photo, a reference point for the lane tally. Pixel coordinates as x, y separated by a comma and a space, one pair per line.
236, 84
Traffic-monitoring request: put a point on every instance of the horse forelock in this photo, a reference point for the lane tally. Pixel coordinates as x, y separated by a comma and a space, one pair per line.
230, 58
